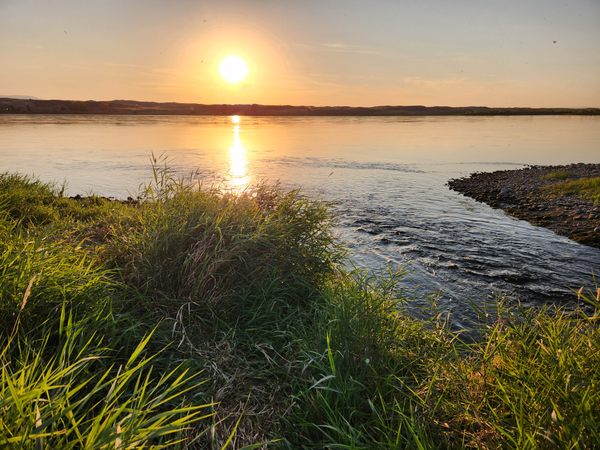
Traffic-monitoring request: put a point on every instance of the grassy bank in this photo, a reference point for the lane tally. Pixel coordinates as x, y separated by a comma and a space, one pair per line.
588, 188
202, 319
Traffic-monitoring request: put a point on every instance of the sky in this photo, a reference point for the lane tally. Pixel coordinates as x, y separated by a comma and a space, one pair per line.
540, 53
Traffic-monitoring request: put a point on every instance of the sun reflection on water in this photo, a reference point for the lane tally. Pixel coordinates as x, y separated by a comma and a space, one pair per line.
238, 168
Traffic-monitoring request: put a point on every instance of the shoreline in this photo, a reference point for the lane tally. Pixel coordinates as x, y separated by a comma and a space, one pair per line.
131, 107
541, 195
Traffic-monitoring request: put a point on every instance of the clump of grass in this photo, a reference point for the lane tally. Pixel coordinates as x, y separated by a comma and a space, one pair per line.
557, 175
380, 379
207, 259
366, 362
80, 398
234, 275
39, 276
533, 382
588, 188
202, 247
78, 380
33, 202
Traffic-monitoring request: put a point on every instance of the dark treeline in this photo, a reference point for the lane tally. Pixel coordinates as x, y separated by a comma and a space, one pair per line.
34, 106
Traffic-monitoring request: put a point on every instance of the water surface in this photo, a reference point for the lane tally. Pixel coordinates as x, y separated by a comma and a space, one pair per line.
386, 176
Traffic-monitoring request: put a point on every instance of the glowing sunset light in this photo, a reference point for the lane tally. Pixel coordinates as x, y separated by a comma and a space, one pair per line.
233, 69
532, 54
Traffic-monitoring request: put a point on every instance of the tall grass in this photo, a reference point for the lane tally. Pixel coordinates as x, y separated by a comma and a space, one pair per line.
39, 276
379, 379
32, 202
365, 361
232, 275
203, 246
534, 382
72, 373
79, 398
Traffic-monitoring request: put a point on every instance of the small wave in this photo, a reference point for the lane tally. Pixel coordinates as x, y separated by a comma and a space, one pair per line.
479, 163
343, 164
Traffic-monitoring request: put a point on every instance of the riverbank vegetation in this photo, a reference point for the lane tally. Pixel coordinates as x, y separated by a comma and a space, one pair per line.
193, 317
588, 188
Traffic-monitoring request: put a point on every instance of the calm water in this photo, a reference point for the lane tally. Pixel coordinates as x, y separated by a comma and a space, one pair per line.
386, 177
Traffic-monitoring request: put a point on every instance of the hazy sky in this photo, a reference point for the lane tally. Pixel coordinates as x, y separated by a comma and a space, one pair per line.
432, 52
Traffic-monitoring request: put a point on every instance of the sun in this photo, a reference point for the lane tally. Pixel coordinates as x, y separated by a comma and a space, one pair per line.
233, 69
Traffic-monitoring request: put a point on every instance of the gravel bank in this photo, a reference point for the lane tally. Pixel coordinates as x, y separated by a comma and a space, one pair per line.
527, 194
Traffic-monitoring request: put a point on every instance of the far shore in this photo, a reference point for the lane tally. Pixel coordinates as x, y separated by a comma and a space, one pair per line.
132, 107
565, 199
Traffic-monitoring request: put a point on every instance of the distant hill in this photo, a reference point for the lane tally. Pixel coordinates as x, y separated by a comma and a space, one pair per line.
21, 97
35, 106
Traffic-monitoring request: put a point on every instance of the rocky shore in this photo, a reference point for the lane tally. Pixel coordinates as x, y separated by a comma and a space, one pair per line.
535, 194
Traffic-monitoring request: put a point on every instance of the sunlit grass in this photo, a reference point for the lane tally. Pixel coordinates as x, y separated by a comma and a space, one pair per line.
557, 175
73, 394
588, 188
533, 382
380, 379
36, 203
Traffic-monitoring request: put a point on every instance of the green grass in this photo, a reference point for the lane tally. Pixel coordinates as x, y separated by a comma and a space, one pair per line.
588, 188
366, 361
532, 383
35, 203
203, 319
380, 379
557, 175
77, 396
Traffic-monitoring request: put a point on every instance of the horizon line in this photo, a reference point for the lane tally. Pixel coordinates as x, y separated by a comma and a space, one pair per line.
32, 98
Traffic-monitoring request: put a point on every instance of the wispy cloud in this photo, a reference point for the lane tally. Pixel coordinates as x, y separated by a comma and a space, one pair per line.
348, 48
432, 82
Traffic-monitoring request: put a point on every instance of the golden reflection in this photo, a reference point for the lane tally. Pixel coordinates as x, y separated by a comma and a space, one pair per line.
238, 169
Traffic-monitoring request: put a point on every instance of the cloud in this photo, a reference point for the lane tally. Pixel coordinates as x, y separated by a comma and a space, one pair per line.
348, 48
429, 83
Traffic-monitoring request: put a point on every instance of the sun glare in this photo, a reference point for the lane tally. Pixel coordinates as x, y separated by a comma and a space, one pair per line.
233, 69
238, 170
